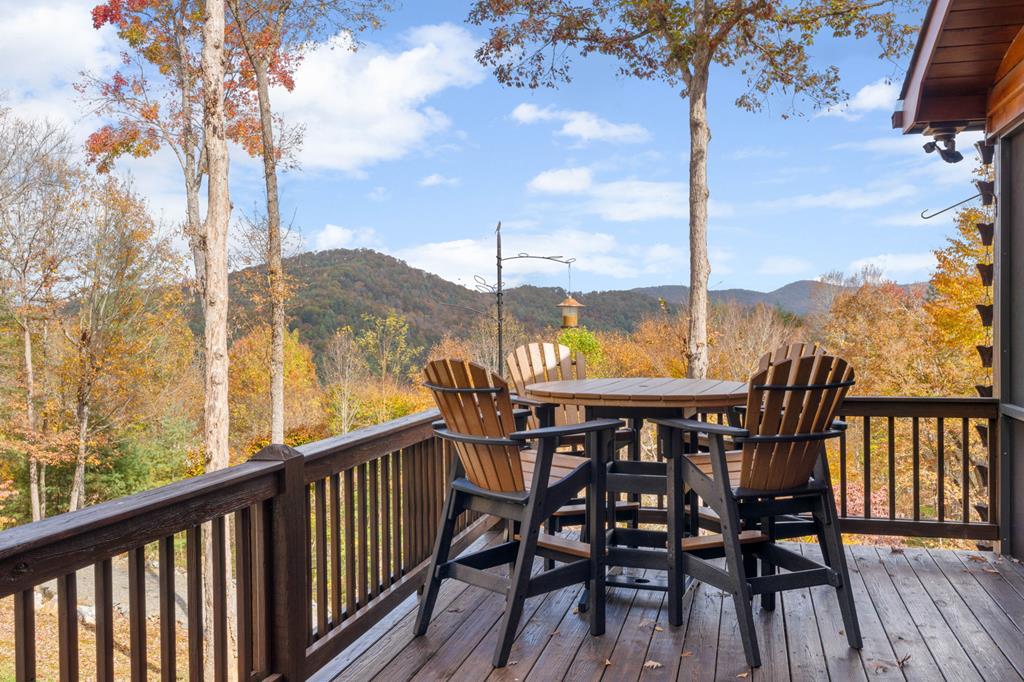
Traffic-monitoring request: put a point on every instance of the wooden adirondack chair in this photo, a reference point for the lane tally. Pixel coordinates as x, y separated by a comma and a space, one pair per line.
495, 474
780, 472
536, 362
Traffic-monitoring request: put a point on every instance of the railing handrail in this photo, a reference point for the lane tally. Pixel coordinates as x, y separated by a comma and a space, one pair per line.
914, 406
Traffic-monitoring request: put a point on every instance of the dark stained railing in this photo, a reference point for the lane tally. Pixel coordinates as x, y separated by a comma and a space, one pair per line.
924, 467
326, 540
311, 547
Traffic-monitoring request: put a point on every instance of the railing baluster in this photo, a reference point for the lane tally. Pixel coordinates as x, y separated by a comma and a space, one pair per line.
396, 515
965, 468
104, 588
407, 562
168, 654
137, 612
220, 601
67, 626
336, 587
194, 578
350, 544
307, 555
320, 497
385, 521
892, 466
867, 467
940, 467
25, 635
243, 591
362, 525
842, 472
995, 483
915, 441
374, 528
260, 587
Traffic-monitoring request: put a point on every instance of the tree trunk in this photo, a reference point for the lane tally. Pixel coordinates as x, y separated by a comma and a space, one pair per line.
78, 482
700, 268
215, 252
218, 216
275, 268
30, 420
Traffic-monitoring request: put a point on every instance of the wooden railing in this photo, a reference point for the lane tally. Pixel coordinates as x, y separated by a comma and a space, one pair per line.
310, 547
919, 467
326, 539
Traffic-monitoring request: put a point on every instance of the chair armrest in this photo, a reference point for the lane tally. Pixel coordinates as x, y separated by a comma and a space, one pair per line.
567, 429
838, 425
703, 427
475, 440
526, 402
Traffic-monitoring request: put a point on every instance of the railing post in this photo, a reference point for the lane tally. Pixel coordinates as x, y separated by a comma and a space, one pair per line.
287, 626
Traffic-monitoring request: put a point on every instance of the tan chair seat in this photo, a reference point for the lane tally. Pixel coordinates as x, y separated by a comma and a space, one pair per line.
733, 460
561, 466
573, 547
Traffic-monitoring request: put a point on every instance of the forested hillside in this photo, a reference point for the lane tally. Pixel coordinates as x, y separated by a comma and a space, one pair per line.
335, 288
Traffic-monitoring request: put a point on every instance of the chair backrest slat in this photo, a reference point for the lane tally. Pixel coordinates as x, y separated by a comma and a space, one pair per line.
537, 362
477, 403
797, 389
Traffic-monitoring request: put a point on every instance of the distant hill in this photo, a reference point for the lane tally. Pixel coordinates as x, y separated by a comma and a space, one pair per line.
335, 288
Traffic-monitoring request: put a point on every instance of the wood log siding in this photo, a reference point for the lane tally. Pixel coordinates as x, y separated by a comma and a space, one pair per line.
326, 540
918, 460
330, 537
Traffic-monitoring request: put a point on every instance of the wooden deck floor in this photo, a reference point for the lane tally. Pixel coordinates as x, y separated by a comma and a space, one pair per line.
925, 615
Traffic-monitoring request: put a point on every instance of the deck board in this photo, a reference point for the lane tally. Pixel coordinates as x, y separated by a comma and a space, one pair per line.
924, 614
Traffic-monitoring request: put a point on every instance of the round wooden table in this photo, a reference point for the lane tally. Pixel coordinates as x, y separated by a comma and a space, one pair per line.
642, 394
639, 398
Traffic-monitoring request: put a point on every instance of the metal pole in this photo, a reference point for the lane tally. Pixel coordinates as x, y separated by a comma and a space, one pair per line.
501, 308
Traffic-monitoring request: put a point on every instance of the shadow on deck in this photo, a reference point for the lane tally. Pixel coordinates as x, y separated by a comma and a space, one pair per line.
925, 614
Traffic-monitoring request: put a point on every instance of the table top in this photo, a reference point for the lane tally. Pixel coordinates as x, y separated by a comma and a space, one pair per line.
641, 392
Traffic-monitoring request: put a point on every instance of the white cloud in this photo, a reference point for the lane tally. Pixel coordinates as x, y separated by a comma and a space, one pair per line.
562, 181
847, 198
880, 95
363, 107
438, 180
622, 200
898, 265
756, 152
338, 237
585, 126
595, 252
378, 194
784, 265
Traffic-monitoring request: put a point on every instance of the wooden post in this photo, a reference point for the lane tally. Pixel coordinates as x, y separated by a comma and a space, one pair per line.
287, 570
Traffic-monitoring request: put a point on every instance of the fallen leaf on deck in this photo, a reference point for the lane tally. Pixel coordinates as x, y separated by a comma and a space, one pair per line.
686, 654
989, 569
607, 662
903, 661
975, 557
896, 550
513, 662
653, 665
746, 674
658, 628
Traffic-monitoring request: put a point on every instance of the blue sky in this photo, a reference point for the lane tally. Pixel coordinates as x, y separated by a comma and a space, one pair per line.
413, 149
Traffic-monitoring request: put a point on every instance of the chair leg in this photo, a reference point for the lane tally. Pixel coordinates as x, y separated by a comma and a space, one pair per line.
767, 567
518, 586
676, 499
836, 558
549, 528
442, 547
735, 562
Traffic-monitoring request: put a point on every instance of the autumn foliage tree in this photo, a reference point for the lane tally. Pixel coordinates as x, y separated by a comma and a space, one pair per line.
532, 42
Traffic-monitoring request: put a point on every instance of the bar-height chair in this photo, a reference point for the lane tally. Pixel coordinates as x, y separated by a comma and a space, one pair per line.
780, 472
536, 362
494, 474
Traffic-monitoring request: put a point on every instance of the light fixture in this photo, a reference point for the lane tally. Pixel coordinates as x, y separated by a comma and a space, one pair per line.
570, 312
945, 145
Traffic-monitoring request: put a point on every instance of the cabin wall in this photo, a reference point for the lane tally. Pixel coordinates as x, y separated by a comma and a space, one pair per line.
1009, 329
1006, 97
